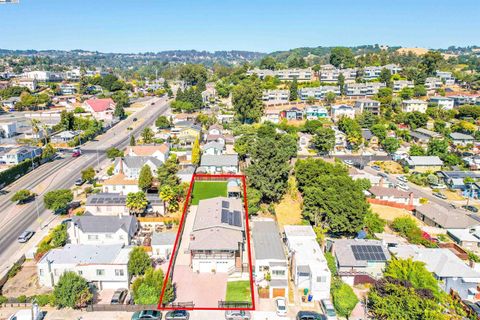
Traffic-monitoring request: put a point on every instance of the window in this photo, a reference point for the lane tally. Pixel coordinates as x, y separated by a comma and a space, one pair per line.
108, 236
40, 271
278, 272
100, 272
92, 237
80, 272
119, 272
321, 279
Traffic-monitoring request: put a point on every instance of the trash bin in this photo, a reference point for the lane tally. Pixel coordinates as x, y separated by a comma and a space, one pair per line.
305, 291
310, 297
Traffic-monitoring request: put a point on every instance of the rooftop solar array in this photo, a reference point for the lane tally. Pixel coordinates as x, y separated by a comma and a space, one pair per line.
225, 204
368, 253
232, 218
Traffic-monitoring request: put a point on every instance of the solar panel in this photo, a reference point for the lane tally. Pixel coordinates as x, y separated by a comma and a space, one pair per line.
237, 219
225, 215
94, 200
368, 253
225, 204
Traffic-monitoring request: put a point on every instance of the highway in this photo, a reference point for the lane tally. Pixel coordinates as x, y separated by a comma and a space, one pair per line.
60, 174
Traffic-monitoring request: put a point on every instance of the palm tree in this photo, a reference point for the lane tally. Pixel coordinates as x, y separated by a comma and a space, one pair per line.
45, 132
136, 202
147, 135
468, 181
35, 126
168, 196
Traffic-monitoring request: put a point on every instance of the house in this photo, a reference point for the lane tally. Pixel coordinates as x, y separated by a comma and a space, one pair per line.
308, 265
343, 110
160, 152
222, 163
217, 239
272, 116
316, 112
187, 132
270, 260
131, 166
443, 102
451, 272
106, 204
460, 100
65, 136
101, 109
372, 140
67, 89
8, 129
215, 129
15, 155
317, 93
424, 163
304, 141
363, 89
340, 139
423, 136
95, 230
10, 102
103, 266
120, 184
276, 96
447, 218
359, 257
454, 179
398, 85
290, 74
31, 84
213, 148
162, 244
292, 114
472, 162
374, 179
433, 83
186, 173
414, 105
373, 72
461, 139
43, 76
446, 77
394, 195
468, 239
367, 105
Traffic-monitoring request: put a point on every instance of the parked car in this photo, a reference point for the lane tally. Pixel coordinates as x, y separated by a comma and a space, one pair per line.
119, 296
74, 205
281, 307
66, 221
147, 314
403, 186
309, 315
402, 179
237, 315
438, 186
27, 314
383, 175
474, 307
440, 195
328, 309
376, 168
177, 315
25, 236
79, 182
135, 119
349, 162
470, 208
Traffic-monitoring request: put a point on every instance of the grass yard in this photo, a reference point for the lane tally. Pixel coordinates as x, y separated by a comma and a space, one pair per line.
238, 291
206, 190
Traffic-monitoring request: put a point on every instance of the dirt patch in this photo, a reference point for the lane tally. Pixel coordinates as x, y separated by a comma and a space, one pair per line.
453, 195
289, 211
389, 213
25, 282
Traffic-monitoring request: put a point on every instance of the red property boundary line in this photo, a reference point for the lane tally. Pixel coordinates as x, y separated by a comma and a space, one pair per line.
180, 231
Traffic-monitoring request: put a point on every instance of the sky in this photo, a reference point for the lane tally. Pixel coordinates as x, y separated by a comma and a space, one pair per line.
253, 25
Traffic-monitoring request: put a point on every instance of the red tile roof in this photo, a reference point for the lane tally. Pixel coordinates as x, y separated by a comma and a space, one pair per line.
99, 105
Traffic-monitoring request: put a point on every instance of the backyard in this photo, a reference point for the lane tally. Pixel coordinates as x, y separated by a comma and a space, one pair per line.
238, 291
208, 189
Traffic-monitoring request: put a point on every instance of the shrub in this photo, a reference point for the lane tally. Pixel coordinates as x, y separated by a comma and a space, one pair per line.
44, 299
14, 270
3, 299
22, 298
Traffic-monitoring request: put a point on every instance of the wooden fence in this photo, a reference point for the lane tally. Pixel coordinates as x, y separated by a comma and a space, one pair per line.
391, 204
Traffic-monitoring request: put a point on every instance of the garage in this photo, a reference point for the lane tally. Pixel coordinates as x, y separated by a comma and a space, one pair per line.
205, 266
278, 292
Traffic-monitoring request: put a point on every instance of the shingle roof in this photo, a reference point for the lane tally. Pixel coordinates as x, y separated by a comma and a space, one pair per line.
88, 254
163, 238
219, 160
346, 258
99, 105
447, 218
146, 150
424, 161
388, 192
119, 179
266, 241
460, 136
139, 162
106, 224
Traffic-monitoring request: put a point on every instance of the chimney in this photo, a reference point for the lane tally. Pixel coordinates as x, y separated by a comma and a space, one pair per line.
410, 200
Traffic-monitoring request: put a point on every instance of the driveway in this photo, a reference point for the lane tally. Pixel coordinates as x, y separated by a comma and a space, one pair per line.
183, 256
204, 289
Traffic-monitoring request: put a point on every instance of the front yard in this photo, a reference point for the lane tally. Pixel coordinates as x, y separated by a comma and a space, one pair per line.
238, 291
208, 189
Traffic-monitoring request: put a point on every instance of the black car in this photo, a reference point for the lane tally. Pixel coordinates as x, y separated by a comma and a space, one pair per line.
470, 208
119, 296
134, 119
79, 182
309, 315
177, 315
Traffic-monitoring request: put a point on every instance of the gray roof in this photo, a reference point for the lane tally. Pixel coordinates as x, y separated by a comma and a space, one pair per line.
139, 162
106, 224
389, 192
219, 160
214, 144
218, 225
447, 218
460, 136
106, 199
345, 255
163, 238
424, 161
278, 283
266, 241
87, 254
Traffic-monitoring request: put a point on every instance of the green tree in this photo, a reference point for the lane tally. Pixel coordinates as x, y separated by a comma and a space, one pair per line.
437, 147
136, 202
21, 196
147, 135
342, 57
344, 299
196, 152
113, 153
374, 223
57, 199
269, 63
147, 288
48, 151
132, 141
88, 174
386, 77
167, 174
145, 179
431, 61
330, 97
416, 150
169, 197
247, 101
341, 83
71, 291
162, 122
324, 140
294, 90
139, 262
390, 145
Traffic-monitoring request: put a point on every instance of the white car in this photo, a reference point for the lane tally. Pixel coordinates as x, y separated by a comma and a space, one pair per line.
403, 186
281, 307
328, 309
402, 179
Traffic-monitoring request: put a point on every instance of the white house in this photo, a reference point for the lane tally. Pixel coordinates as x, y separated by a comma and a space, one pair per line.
343, 110
101, 109
414, 105
276, 96
31, 84
394, 195
120, 184
443, 102
162, 244
131, 166
222, 163
446, 77
95, 230
213, 148
433, 83
398, 85
106, 204
367, 105
161, 152
270, 259
104, 266
308, 264
8, 129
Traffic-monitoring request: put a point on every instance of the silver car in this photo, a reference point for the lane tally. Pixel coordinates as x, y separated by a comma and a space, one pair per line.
237, 315
25, 236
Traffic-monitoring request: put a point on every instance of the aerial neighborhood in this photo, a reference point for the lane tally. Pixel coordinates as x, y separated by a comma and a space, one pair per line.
309, 184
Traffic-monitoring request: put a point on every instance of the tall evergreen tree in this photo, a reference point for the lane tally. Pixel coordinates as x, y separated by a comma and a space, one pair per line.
294, 90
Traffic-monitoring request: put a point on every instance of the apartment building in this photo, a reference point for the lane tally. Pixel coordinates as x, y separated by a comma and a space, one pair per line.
317, 93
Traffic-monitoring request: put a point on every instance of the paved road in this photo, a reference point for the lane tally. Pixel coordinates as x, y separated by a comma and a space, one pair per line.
62, 174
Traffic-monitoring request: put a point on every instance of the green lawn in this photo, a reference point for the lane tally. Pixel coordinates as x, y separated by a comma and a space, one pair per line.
238, 291
206, 190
